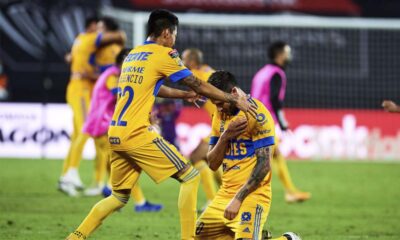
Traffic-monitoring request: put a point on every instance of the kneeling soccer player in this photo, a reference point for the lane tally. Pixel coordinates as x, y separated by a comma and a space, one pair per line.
244, 146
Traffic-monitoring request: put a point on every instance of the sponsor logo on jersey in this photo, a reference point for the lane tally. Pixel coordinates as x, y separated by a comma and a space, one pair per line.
246, 230
114, 140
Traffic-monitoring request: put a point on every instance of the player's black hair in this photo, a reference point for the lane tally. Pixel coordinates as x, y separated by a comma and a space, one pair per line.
159, 20
223, 80
121, 56
110, 24
275, 48
90, 20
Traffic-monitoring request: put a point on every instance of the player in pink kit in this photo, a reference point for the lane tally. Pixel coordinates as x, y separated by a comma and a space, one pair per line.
269, 86
96, 125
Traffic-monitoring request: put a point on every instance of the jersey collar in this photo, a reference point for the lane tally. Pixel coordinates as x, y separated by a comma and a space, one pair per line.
148, 42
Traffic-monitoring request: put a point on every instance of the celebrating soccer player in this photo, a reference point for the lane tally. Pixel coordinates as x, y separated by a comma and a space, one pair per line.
134, 144
79, 93
269, 86
193, 59
243, 145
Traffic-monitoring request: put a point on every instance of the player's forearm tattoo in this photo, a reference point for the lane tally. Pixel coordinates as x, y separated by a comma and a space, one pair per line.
193, 83
259, 172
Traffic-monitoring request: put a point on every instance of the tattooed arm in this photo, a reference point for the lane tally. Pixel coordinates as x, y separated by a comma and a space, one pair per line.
205, 89
259, 172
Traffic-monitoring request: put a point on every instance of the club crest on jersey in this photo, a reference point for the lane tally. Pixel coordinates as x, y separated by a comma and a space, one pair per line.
221, 126
174, 53
246, 216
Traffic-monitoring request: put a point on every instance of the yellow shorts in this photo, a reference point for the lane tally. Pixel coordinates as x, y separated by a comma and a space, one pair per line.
158, 158
248, 223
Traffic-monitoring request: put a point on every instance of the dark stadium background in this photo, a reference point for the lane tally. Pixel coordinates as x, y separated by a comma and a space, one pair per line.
37, 72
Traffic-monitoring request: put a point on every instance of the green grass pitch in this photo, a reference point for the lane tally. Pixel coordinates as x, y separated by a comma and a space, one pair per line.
350, 201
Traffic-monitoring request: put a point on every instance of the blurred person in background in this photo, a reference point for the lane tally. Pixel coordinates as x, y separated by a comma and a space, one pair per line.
79, 89
168, 111
193, 60
390, 106
269, 86
3, 83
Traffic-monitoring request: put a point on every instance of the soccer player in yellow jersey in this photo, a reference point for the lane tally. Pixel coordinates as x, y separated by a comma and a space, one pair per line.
243, 145
134, 143
78, 95
193, 60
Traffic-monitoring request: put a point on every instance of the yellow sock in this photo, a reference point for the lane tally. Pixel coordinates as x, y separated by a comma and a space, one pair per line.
102, 154
207, 179
187, 203
98, 213
77, 149
279, 238
67, 160
279, 163
137, 194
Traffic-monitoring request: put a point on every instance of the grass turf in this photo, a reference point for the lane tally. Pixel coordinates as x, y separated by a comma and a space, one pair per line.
350, 201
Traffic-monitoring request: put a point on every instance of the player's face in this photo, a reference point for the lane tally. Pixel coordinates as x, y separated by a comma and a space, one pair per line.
92, 27
100, 26
222, 107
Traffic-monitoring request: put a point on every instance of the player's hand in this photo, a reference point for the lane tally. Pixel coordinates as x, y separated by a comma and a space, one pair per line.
389, 106
235, 128
194, 98
243, 103
232, 210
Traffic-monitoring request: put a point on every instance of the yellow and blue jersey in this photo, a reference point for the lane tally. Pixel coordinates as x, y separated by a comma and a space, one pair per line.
142, 74
85, 45
105, 56
240, 158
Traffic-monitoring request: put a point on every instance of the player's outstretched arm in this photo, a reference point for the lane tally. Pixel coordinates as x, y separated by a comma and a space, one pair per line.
208, 90
216, 153
261, 169
390, 106
167, 92
118, 37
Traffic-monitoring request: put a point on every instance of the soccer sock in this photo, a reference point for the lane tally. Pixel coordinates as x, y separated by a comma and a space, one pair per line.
187, 203
280, 165
207, 180
280, 238
98, 213
77, 149
102, 151
67, 160
137, 195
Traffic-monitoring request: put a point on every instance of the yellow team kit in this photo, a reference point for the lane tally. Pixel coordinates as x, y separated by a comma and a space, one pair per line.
132, 139
238, 164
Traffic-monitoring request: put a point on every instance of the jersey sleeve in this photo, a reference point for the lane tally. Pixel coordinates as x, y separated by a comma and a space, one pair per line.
171, 65
215, 132
262, 128
112, 83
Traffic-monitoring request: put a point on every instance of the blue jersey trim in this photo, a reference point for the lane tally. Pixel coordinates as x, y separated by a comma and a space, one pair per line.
92, 59
98, 39
213, 140
179, 75
158, 86
264, 142
148, 42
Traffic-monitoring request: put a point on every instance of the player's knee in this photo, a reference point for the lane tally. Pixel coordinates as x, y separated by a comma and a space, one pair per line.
122, 195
